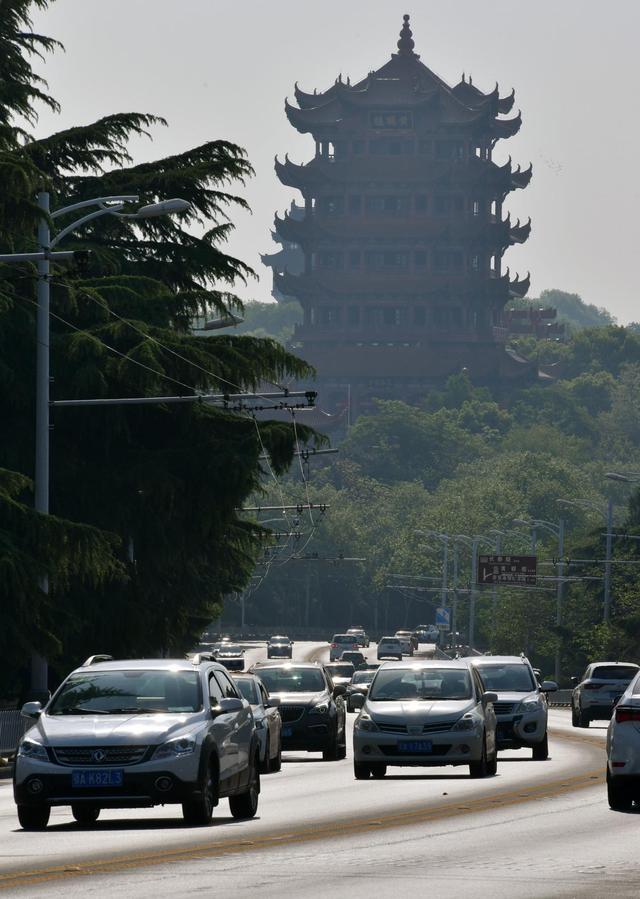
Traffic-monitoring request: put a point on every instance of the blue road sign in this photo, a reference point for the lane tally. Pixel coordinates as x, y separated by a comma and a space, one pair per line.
443, 617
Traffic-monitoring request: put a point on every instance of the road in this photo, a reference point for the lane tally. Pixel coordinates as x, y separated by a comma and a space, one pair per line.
538, 829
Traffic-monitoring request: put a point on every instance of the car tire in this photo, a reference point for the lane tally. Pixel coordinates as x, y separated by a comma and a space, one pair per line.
245, 805
540, 752
276, 762
583, 719
332, 753
199, 812
361, 770
575, 716
33, 817
619, 797
378, 770
492, 766
480, 768
85, 814
265, 764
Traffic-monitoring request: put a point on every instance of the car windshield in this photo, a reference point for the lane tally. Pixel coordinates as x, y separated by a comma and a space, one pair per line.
230, 649
362, 677
279, 640
292, 680
343, 638
421, 684
128, 691
248, 689
345, 670
507, 678
614, 672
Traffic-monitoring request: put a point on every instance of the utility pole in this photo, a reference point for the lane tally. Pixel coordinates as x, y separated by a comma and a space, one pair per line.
560, 596
474, 588
454, 613
607, 565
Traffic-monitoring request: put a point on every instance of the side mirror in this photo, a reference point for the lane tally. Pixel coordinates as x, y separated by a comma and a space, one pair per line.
272, 702
229, 704
340, 690
31, 710
357, 700
575, 680
489, 697
548, 686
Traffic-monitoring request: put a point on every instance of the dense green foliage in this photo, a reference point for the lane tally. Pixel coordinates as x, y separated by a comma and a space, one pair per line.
160, 482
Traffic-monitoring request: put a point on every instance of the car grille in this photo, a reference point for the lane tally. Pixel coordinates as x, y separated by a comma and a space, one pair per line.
394, 752
393, 728
437, 728
290, 713
426, 728
504, 708
107, 755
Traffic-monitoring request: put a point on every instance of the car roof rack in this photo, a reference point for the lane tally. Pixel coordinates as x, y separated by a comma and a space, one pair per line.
93, 660
200, 657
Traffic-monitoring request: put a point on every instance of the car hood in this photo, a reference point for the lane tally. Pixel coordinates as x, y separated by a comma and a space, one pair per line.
69, 730
300, 698
419, 712
510, 696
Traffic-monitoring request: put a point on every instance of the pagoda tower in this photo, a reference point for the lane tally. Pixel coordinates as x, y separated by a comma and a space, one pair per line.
395, 252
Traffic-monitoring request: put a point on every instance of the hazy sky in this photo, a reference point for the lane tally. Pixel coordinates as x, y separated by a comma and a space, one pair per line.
216, 69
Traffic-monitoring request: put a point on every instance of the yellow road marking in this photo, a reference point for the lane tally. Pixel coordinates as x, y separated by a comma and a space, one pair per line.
310, 833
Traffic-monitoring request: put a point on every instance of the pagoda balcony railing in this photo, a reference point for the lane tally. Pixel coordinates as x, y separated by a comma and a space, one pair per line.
394, 335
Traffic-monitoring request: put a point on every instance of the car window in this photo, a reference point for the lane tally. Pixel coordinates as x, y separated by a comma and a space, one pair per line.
507, 677
134, 690
345, 670
215, 692
421, 684
614, 672
362, 677
227, 686
248, 690
293, 680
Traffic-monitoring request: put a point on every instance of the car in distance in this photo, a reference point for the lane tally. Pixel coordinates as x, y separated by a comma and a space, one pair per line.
598, 690
279, 647
521, 708
311, 707
354, 656
411, 637
138, 733
623, 750
231, 656
267, 720
389, 648
361, 636
340, 643
425, 713
340, 672
358, 688
427, 633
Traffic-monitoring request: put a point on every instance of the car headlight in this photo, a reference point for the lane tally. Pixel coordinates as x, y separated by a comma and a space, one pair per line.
29, 749
321, 708
176, 748
530, 705
465, 724
364, 722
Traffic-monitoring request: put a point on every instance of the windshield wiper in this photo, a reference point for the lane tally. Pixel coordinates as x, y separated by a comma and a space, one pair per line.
134, 710
79, 710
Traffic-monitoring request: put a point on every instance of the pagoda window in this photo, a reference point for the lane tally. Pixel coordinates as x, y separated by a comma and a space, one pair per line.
419, 316
354, 259
449, 149
332, 205
389, 147
392, 205
476, 207
474, 263
420, 259
385, 261
421, 203
353, 315
313, 315
329, 315
391, 120
441, 316
392, 315
357, 147
355, 203
448, 260
330, 260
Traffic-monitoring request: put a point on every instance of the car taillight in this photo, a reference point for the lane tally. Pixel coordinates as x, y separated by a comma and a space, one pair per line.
333, 645
625, 713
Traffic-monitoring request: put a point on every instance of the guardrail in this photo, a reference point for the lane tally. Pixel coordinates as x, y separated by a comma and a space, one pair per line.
561, 699
12, 727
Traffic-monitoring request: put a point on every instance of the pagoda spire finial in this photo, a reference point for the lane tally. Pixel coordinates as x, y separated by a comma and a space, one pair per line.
406, 42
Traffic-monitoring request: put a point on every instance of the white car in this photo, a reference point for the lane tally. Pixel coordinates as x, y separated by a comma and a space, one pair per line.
267, 719
521, 708
389, 648
623, 750
427, 713
342, 643
133, 734
598, 690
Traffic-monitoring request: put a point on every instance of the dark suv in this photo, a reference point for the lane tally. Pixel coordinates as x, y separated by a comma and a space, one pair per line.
279, 647
311, 707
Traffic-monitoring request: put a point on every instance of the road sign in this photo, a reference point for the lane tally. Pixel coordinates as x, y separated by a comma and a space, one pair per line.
506, 570
443, 618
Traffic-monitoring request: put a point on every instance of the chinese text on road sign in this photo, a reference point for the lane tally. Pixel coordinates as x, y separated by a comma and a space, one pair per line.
507, 570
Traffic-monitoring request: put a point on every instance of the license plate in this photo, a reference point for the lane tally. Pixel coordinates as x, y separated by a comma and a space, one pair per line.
97, 778
287, 731
415, 746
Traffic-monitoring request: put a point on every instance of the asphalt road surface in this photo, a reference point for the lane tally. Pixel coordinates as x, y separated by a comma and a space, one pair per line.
537, 829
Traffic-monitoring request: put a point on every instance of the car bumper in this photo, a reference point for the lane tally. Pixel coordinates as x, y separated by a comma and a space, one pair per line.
520, 731
278, 654
449, 748
623, 751
600, 710
308, 735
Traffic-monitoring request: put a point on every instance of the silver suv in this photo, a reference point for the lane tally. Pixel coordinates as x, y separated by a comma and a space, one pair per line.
134, 734
521, 707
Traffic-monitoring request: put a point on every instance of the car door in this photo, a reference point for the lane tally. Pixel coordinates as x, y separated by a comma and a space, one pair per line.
274, 722
242, 725
489, 714
221, 730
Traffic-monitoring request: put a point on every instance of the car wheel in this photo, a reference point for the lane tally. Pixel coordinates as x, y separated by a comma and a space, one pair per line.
492, 766
200, 811
276, 761
540, 751
33, 817
361, 770
480, 768
85, 814
332, 753
620, 799
378, 770
245, 805
583, 719
575, 717
265, 764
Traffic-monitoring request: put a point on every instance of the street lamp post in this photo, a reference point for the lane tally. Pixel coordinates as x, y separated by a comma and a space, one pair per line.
43, 257
474, 543
607, 514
